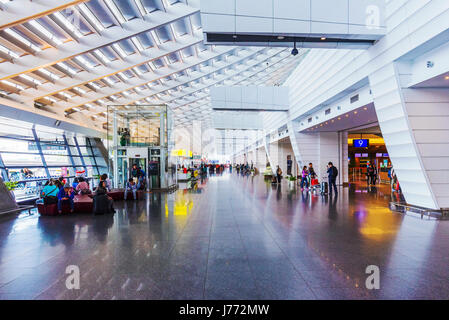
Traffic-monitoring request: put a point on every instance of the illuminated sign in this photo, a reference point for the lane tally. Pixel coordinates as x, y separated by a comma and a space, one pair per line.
360, 143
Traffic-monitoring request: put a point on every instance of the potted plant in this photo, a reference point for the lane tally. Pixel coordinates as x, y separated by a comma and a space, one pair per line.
11, 186
291, 182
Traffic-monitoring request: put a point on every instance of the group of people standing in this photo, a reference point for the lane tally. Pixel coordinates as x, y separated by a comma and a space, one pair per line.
244, 169
308, 176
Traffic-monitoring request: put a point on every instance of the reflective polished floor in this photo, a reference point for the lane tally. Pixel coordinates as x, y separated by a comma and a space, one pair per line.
230, 237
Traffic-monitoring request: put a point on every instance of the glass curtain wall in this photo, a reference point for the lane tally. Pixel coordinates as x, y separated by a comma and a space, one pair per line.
31, 154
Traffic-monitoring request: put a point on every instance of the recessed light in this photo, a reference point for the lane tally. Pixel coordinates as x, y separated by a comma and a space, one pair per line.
323, 38
446, 77
281, 37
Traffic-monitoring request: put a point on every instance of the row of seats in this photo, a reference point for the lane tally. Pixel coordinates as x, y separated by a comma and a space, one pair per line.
83, 203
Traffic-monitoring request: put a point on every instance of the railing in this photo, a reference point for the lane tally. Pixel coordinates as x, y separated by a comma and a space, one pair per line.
405, 208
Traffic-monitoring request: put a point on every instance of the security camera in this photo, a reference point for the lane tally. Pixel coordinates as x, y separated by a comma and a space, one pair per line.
295, 51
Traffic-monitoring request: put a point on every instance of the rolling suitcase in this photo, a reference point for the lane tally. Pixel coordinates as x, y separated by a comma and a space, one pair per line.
324, 187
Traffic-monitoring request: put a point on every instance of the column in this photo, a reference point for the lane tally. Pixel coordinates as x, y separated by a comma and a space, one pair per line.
415, 126
321, 148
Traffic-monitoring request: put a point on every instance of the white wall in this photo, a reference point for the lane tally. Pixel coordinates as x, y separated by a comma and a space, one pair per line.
337, 18
250, 98
397, 130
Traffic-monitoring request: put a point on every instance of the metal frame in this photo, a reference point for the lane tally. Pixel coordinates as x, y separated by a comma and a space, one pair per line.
39, 149
80, 154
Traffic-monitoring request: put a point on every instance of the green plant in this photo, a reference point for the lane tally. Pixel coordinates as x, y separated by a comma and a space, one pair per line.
11, 185
291, 178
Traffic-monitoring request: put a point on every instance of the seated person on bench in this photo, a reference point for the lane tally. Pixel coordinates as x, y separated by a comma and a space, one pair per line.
83, 186
66, 194
131, 187
49, 194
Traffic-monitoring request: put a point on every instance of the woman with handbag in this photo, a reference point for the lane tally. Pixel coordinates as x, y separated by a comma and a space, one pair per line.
49, 193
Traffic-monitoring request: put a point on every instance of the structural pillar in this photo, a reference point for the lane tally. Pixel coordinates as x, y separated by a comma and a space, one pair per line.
415, 126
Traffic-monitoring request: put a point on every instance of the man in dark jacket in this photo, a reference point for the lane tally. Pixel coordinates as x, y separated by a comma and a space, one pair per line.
102, 203
332, 174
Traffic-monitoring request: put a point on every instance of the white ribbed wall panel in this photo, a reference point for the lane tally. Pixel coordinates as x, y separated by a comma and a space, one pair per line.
397, 131
428, 114
270, 149
320, 149
261, 159
307, 149
329, 152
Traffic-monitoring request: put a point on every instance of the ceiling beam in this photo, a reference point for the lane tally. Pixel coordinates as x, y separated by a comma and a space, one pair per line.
17, 12
94, 41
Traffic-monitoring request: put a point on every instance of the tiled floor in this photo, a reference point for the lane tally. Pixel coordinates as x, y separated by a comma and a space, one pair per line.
232, 237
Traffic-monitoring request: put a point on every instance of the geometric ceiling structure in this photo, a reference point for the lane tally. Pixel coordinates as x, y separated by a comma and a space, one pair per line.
73, 58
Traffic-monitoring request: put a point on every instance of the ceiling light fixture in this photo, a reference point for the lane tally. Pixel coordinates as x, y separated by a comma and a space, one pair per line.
141, 7
18, 37
137, 43
91, 17
66, 67
115, 11
119, 49
67, 23
45, 32
26, 77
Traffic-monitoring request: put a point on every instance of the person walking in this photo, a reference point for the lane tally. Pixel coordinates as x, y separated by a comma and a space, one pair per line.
370, 174
332, 174
304, 178
278, 174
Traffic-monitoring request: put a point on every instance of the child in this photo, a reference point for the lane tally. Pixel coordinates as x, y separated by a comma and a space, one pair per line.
304, 178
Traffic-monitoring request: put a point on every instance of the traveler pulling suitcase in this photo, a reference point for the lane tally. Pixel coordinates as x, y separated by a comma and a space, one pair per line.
324, 187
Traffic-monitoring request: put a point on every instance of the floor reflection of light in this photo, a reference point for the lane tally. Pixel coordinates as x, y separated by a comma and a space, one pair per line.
183, 205
413, 228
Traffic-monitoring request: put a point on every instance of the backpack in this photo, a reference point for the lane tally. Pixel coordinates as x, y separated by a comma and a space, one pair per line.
335, 172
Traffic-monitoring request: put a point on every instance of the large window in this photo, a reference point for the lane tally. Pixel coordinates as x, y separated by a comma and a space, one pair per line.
30, 154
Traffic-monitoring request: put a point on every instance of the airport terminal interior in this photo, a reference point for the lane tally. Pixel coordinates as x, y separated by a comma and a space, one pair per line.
224, 150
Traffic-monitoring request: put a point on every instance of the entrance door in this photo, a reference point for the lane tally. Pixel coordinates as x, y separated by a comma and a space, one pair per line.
123, 172
154, 172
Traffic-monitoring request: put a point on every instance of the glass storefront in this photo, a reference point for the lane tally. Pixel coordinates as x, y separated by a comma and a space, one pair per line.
30, 154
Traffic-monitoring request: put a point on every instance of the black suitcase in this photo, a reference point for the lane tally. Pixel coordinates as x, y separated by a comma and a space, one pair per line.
324, 187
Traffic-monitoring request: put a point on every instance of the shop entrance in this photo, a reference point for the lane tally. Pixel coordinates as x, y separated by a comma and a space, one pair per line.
367, 147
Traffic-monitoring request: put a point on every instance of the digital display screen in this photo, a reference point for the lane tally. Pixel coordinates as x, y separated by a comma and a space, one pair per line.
386, 155
365, 155
358, 155
360, 143
379, 155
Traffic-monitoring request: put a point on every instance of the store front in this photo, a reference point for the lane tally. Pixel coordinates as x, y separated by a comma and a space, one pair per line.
366, 147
